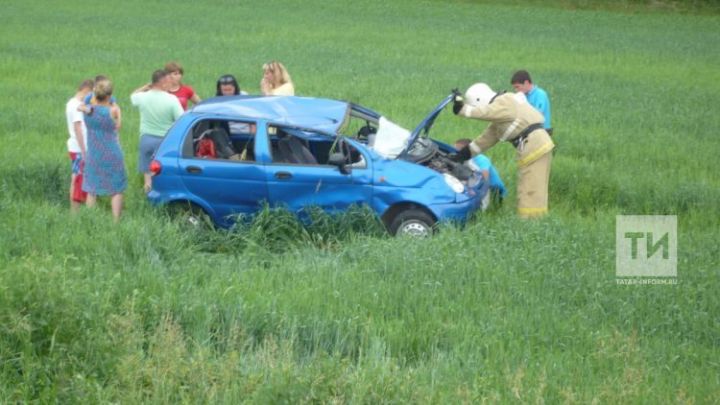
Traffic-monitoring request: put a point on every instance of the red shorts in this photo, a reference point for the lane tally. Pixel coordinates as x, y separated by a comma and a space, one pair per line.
78, 194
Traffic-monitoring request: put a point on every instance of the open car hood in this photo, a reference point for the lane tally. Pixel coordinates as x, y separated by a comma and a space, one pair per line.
426, 124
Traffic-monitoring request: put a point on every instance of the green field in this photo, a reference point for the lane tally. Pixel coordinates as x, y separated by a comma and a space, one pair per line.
503, 310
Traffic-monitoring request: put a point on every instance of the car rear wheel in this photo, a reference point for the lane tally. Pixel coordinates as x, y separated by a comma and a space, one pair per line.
414, 223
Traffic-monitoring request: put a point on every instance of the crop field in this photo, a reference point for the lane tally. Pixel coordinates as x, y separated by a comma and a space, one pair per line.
502, 310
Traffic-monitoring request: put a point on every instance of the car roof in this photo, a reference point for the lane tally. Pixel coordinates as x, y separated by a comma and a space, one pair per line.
305, 112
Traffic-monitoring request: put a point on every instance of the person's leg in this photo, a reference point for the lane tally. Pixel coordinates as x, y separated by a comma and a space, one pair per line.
91, 199
75, 202
532, 192
144, 160
148, 146
148, 182
116, 203
74, 205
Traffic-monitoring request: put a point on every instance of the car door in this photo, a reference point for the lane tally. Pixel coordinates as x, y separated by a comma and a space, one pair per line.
230, 187
315, 184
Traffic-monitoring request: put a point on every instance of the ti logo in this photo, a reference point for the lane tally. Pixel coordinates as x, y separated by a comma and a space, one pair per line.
646, 246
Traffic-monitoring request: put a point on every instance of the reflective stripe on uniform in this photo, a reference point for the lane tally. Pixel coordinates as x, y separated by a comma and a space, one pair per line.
510, 129
534, 155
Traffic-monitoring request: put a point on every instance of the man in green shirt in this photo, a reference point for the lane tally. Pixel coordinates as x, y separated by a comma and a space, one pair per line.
158, 111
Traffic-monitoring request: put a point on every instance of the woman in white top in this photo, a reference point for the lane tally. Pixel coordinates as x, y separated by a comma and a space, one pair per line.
276, 80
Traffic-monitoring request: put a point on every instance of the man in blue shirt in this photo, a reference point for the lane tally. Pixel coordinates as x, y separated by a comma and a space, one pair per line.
482, 164
536, 96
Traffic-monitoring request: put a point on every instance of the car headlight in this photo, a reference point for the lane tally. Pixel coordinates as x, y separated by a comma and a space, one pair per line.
453, 183
474, 180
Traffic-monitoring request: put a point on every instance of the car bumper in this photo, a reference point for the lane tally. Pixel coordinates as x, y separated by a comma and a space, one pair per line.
156, 198
465, 206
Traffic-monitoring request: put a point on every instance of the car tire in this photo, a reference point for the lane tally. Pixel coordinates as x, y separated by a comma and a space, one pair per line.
413, 223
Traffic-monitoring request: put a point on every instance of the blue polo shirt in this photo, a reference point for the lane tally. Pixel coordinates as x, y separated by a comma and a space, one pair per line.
482, 162
538, 98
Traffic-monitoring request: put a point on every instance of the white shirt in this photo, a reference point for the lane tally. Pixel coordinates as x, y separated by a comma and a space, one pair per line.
73, 115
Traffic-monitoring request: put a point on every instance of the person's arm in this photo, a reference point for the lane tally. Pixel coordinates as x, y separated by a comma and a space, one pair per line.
143, 88
117, 111
195, 98
116, 115
77, 127
545, 110
485, 141
177, 109
501, 109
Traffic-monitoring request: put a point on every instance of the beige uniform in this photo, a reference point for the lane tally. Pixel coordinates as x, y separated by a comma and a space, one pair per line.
508, 118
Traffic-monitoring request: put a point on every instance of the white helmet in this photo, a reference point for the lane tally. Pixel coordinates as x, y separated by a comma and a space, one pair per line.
479, 95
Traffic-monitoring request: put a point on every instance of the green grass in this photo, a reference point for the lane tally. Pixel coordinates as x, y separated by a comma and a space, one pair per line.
272, 312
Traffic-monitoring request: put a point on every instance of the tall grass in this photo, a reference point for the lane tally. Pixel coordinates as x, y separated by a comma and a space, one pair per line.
277, 311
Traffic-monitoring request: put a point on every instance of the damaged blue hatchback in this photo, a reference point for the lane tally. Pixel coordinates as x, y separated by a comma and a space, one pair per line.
229, 156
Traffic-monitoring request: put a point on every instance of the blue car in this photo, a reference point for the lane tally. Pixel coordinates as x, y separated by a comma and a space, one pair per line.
228, 156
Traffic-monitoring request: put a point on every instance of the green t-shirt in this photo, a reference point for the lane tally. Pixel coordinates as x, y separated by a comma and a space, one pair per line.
158, 111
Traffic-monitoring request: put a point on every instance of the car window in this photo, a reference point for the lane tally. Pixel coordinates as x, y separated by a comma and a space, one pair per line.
303, 147
221, 139
361, 125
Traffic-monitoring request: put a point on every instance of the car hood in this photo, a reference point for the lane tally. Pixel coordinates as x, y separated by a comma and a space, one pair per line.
426, 124
304, 112
393, 141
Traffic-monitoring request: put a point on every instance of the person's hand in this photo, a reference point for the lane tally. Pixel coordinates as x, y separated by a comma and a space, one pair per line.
457, 96
457, 101
265, 87
84, 108
462, 155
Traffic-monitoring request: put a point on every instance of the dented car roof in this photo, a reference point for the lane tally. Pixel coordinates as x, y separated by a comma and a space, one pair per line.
305, 112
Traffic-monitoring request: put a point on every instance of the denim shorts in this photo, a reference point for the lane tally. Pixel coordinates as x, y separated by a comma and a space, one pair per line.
149, 144
76, 159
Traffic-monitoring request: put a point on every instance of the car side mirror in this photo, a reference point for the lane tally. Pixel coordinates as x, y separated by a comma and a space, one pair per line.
338, 159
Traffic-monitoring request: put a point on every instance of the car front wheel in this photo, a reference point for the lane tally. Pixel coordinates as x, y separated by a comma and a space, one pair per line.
413, 223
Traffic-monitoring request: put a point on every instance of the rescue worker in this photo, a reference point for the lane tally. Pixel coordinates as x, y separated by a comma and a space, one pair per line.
513, 120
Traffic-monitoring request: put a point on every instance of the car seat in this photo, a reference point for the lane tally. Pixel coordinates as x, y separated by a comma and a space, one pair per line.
293, 150
222, 149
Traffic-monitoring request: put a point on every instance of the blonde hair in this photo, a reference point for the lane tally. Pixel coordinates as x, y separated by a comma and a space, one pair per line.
103, 90
280, 75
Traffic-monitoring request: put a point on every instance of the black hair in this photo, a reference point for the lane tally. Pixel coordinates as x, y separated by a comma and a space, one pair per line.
157, 76
226, 79
521, 76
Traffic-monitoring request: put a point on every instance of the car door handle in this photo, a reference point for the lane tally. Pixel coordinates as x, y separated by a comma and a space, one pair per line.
193, 169
283, 175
